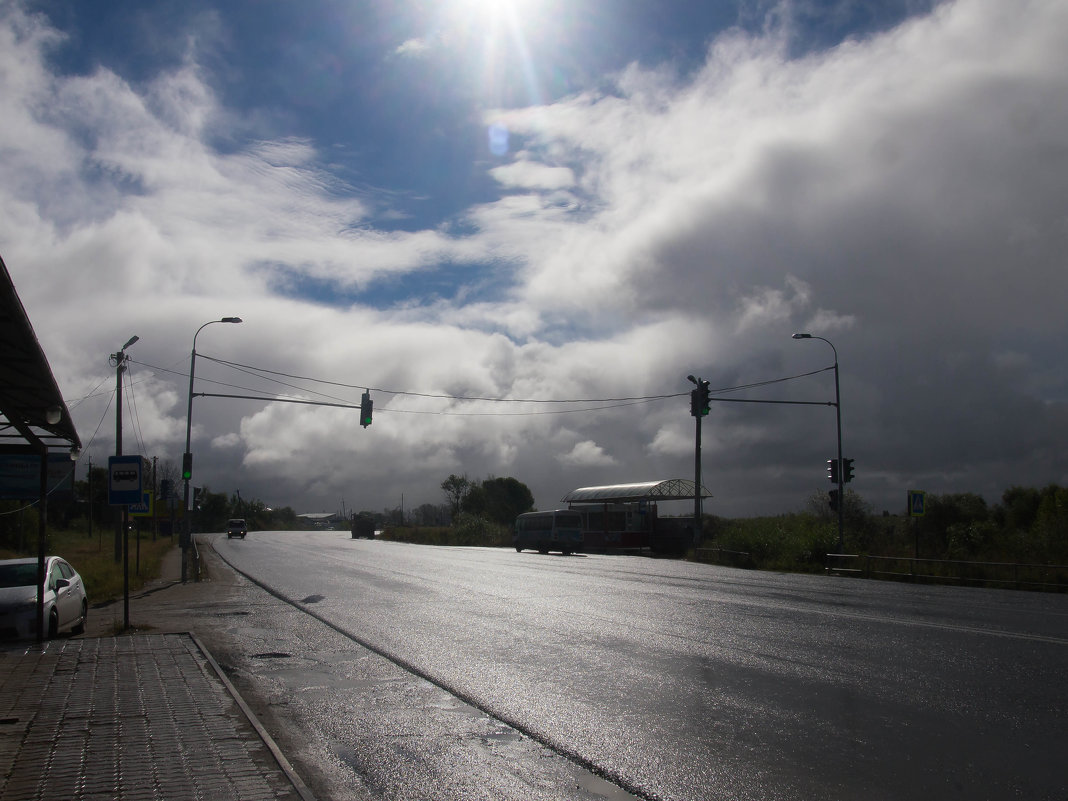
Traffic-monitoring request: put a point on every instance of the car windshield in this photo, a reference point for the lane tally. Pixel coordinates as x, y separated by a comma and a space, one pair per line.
24, 575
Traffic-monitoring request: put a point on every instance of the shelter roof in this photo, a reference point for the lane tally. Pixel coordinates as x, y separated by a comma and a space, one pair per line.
673, 489
32, 410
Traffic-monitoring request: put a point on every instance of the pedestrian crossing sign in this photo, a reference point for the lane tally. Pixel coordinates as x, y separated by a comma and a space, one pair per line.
917, 500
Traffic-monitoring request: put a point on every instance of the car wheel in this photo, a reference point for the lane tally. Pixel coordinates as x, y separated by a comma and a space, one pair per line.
53, 625
228, 536
80, 627
518, 549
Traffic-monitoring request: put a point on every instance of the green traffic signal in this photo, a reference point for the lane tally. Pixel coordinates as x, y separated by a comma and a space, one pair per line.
366, 408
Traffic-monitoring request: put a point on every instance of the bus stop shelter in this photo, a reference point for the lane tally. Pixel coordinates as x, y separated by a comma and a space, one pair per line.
626, 516
34, 419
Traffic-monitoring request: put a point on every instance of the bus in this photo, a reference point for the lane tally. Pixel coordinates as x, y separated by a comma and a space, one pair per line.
559, 530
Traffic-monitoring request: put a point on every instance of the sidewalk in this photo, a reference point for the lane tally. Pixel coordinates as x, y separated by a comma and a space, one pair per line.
134, 716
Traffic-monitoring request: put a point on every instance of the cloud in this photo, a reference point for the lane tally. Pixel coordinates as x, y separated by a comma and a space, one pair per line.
900, 194
588, 454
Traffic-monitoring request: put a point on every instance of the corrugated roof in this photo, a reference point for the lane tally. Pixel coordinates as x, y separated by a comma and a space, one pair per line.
675, 489
28, 390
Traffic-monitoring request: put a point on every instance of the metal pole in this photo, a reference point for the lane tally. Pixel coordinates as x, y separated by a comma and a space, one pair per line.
120, 357
185, 481
838, 416
188, 452
841, 477
697, 510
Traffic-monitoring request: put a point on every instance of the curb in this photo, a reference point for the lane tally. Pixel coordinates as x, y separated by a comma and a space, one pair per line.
302, 789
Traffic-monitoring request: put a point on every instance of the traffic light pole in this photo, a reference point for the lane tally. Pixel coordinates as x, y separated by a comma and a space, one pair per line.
698, 512
699, 404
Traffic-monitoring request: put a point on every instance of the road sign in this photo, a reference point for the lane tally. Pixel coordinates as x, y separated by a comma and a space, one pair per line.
144, 508
124, 480
917, 503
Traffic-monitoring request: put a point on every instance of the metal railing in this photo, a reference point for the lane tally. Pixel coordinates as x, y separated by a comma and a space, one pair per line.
722, 556
194, 555
951, 571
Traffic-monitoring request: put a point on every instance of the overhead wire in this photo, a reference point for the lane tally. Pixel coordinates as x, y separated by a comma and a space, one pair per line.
602, 403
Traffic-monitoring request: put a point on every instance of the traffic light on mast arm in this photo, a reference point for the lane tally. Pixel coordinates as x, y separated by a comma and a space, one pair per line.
366, 407
832, 470
187, 466
833, 499
847, 470
699, 400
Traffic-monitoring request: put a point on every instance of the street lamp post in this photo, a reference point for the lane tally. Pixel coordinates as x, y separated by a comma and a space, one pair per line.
187, 457
838, 414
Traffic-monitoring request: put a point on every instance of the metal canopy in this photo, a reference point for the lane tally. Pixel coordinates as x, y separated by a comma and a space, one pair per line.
32, 410
672, 489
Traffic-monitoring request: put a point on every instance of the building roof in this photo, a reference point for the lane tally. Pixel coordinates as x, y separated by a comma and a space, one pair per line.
32, 410
672, 489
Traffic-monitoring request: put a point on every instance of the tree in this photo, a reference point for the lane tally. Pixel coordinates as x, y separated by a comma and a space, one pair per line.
505, 499
456, 489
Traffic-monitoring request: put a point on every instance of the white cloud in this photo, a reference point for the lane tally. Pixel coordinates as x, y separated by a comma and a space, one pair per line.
587, 454
901, 195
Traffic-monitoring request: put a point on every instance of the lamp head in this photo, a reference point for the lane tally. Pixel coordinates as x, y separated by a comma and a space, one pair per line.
132, 340
802, 336
691, 379
230, 320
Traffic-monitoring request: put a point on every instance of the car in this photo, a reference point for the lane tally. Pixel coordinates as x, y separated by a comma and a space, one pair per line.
236, 528
66, 606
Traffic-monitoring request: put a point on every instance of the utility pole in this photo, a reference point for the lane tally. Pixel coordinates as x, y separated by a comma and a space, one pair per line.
122, 534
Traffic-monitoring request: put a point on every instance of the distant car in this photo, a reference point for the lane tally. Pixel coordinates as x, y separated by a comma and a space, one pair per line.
236, 528
65, 603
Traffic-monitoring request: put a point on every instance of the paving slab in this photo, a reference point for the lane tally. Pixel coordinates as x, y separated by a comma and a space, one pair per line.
139, 716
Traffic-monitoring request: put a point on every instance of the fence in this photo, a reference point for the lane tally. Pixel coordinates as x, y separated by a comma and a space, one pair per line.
947, 571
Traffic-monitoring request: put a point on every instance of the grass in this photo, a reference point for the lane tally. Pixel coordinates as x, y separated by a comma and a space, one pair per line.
94, 559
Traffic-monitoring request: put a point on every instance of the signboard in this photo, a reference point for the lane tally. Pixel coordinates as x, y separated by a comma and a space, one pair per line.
144, 508
124, 480
917, 502
20, 476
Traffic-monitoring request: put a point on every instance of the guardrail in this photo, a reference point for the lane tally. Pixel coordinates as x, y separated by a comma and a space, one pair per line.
194, 554
722, 556
950, 571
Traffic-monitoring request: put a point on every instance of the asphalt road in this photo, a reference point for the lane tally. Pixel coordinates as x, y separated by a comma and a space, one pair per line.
687, 681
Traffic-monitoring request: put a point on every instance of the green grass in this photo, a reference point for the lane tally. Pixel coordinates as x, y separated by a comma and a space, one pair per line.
94, 559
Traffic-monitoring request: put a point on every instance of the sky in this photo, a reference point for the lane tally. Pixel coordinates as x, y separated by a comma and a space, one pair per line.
521, 224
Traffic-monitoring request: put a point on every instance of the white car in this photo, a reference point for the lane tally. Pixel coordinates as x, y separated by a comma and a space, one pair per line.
65, 602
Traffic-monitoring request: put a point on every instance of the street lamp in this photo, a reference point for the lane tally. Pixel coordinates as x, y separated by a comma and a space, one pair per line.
838, 413
187, 457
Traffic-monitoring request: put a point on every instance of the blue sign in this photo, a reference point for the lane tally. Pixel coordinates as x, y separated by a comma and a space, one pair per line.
144, 508
124, 480
20, 476
917, 500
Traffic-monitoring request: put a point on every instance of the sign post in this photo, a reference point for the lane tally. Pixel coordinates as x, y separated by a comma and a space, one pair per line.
917, 503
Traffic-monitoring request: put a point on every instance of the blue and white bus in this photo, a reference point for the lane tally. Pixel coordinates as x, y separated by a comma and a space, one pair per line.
559, 530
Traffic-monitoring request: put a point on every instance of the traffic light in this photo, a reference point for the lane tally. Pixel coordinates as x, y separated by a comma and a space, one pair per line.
187, 466
699, 401
366, 405
847, 470
832, 470
166, 489
832, 499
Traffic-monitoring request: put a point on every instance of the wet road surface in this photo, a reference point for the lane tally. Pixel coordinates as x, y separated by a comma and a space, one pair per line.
674, 680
